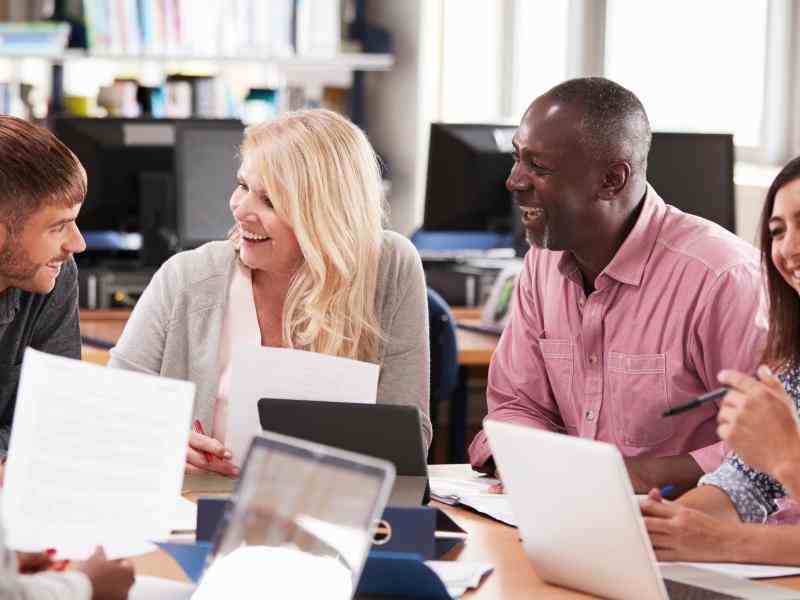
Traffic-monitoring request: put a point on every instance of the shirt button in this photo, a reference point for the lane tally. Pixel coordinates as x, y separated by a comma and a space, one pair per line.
581, 302
593, 359
590, 415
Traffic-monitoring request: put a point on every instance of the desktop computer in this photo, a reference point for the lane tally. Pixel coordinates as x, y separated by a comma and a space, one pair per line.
112, 287
467, 168
694, 172
156, 186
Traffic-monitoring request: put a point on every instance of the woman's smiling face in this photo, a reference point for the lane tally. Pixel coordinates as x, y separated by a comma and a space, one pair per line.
267, 241
784, 229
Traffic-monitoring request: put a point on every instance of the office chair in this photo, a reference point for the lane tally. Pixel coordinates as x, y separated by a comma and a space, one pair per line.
447, 377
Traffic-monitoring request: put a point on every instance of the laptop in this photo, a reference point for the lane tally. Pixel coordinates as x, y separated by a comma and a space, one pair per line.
385, 431
299, 525
581, 526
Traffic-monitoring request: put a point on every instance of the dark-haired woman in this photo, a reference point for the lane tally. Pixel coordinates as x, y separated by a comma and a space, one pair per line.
725, 519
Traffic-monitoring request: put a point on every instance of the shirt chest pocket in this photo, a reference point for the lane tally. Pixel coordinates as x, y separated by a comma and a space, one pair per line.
638, 390
558, 361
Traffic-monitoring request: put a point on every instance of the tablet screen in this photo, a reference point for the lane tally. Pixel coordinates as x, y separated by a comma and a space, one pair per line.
300, 524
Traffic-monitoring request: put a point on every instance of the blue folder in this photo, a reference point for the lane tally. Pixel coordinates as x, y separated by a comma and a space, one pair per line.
400, 574
190, 557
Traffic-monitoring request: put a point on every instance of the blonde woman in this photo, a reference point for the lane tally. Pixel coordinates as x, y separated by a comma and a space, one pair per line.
308, 265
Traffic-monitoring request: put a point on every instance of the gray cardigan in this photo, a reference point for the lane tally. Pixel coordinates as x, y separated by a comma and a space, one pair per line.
174, 330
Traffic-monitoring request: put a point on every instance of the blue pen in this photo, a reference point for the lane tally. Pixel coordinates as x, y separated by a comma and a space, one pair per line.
667, 490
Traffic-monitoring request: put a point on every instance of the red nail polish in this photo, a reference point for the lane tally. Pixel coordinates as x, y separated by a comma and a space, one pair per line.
50, 552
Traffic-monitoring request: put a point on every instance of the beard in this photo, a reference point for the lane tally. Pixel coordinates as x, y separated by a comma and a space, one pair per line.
15, 264
543, 240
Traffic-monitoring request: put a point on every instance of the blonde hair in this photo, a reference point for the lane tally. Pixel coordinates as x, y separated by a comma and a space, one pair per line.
323, 177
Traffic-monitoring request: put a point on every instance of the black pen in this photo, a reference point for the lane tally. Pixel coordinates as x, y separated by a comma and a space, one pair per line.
707, 397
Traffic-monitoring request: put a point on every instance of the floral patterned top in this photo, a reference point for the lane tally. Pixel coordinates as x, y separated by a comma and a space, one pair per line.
756, 495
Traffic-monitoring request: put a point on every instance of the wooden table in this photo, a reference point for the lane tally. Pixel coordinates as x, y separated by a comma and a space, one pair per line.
488, 541
475, 349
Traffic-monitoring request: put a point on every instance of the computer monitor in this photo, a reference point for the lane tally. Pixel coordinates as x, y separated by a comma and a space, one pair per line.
131, 167
206, 160
114, 153
467, 168
694, 172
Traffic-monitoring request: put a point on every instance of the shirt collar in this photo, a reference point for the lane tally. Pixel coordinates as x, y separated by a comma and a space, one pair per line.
9, 304
629, 262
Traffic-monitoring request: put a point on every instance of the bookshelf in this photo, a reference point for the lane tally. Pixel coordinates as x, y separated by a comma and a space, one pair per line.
349, 61
354, 61
346, 61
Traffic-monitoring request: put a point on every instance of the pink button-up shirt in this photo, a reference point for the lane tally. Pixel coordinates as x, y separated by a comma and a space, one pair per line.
680, 300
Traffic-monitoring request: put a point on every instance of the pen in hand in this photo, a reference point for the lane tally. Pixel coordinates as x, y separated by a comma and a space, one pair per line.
707, 397
667, 490
198, 428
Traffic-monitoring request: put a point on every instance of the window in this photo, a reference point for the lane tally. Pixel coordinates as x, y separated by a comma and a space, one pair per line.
540, 51
498, 55
696, 66
713, 66
470, 78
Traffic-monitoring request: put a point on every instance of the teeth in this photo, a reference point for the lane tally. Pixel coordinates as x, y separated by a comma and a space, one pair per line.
252, 236
531, 213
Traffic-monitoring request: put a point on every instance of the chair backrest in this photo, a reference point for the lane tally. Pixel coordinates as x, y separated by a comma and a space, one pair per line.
444, 348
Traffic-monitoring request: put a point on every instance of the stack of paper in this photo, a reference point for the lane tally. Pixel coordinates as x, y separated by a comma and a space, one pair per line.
459, 576
157, 588
459, 484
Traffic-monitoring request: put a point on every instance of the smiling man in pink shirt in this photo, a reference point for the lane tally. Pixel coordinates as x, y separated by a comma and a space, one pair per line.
626, 306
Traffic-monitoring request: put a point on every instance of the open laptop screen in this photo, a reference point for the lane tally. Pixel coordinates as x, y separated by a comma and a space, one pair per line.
300, 522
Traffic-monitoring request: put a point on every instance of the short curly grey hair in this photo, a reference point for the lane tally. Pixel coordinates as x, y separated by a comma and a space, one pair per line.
614, 125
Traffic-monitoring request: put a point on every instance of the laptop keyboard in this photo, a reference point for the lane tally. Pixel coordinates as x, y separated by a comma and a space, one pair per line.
683, 591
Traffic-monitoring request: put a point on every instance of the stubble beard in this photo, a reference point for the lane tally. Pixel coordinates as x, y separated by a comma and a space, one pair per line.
544, 243
15, 265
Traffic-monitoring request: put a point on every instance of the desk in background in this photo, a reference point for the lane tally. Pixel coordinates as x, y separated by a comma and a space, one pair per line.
474, 349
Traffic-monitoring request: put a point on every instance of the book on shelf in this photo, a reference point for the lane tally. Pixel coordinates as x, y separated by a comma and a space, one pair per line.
269, 28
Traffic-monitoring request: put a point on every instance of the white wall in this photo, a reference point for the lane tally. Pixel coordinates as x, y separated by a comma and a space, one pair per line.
399, 103
752, 183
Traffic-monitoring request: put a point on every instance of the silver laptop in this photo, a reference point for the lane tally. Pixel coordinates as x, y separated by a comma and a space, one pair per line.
300, 523
581, 525
385, 431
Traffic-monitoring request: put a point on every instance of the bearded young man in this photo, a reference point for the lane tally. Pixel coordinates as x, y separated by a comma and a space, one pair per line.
42, 188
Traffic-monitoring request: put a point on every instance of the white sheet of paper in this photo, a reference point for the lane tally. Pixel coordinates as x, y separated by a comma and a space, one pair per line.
146, 587
450, 483
459, 484
748, 571
459, 576
96, 456
184, 516
497, 506
260, 372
